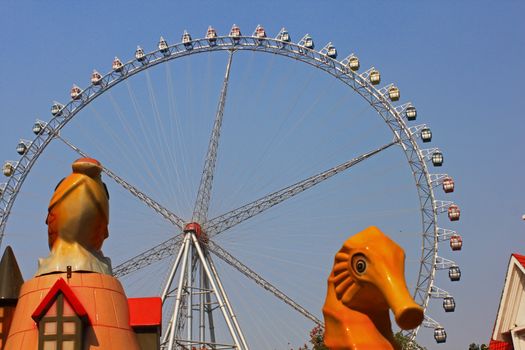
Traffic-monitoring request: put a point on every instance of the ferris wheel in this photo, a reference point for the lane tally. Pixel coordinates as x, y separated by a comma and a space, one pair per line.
196, 299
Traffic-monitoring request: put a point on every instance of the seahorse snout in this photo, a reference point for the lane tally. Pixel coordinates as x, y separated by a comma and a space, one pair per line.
409, 317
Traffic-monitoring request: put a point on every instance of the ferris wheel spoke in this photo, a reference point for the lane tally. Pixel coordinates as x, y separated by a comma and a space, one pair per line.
236, 216
150, 256
150, 202
200, 211
254, 276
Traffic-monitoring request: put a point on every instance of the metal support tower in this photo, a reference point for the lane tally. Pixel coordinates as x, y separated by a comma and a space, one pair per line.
210, 295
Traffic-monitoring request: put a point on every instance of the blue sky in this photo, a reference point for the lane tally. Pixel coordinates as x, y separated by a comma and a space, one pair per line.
460, 63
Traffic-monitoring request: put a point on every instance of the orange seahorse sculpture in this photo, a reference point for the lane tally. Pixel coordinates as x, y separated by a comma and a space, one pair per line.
368, 280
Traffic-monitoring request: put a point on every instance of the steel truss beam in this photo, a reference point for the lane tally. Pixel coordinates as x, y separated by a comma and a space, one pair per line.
235, 217
437, 179
443, 264
442, 206
150, 202
254, 276
157, 253
200, 212
430, 323
438, 293
416, 129
445, 234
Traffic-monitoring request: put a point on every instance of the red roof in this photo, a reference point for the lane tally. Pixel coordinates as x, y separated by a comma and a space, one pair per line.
500, 345
520, 258
145, 312
60, 286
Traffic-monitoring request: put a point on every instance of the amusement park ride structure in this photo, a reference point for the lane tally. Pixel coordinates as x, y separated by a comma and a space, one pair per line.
199, 293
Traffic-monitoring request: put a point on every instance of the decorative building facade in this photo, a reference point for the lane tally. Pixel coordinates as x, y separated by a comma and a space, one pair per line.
73, 302
509, 330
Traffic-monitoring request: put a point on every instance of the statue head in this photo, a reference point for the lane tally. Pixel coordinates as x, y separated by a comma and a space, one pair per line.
368, 276
79, 209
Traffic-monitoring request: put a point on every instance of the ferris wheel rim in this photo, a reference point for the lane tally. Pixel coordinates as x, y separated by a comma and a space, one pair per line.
358, 82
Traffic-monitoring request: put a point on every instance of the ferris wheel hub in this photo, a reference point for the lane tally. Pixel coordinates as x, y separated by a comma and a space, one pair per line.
196, 229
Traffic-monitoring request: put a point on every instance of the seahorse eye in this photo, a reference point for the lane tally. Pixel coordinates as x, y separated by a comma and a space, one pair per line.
359, 264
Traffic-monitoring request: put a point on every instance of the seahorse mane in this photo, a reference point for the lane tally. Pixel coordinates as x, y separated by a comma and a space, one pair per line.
344, 284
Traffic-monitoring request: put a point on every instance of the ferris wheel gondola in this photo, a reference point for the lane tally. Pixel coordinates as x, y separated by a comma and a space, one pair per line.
259, 32
56, 109
456, 242
235, 33
75, 92
96, 78
411, 113
117, 65
163, 46
284, 36
139, 54
9, 168
375, 77
211, 35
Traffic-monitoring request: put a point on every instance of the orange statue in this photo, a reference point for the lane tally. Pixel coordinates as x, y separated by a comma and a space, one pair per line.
73, 302
78, 222
368, 280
